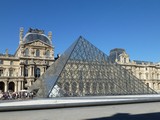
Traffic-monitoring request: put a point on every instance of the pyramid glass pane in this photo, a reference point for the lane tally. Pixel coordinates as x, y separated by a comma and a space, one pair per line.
84, 70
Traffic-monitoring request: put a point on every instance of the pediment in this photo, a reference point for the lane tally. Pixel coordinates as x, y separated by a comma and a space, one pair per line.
38, 43
124, 54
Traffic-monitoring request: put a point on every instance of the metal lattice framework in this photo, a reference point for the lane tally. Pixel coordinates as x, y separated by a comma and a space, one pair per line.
84, 70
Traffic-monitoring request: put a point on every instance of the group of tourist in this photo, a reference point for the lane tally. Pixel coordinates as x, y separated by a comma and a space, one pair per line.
16, 95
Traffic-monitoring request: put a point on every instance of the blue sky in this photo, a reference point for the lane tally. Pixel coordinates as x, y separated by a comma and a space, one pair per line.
130, 24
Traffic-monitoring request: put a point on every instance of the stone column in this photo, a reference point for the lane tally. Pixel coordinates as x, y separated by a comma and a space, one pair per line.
6, 86
29, 71
22, 70
156, 86
153, 86
30, 82
22, 84
16, 86
32, 70
19, 85
44, 69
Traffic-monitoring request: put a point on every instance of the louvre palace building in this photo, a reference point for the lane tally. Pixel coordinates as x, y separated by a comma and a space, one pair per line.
35, 54
146, 71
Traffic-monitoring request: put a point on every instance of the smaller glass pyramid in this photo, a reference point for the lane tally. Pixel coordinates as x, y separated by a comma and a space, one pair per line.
84, 70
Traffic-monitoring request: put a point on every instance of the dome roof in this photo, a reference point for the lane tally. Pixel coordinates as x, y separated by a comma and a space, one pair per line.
114, 54
30, 37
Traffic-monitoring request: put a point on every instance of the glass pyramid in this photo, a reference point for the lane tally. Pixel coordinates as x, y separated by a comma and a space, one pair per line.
84, 70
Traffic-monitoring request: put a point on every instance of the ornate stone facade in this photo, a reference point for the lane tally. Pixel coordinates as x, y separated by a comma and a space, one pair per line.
34, 55
146, 71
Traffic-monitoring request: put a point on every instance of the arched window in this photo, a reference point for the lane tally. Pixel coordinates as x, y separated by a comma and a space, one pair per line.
1, 61
47, 53
11, 86
2, 86
37, 53
37, 72
26, 53
1, 72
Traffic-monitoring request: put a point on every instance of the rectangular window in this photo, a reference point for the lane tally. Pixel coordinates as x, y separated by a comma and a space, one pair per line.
10, 72
11, 62
1, 61
157, 76
47, 62
146, 75
25, 72
1, 72
26, 62
125, 60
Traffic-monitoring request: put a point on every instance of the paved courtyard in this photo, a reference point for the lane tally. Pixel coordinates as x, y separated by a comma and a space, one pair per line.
138, 111
64, 110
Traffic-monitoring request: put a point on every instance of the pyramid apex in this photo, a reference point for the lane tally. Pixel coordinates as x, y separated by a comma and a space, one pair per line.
81, 37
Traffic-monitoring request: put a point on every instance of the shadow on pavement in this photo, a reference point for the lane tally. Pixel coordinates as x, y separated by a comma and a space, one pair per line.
126, 116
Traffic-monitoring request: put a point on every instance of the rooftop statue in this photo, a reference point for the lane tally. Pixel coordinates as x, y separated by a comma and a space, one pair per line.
36, 31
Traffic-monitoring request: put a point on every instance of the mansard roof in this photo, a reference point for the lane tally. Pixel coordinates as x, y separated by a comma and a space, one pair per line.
34, 35
142, 62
